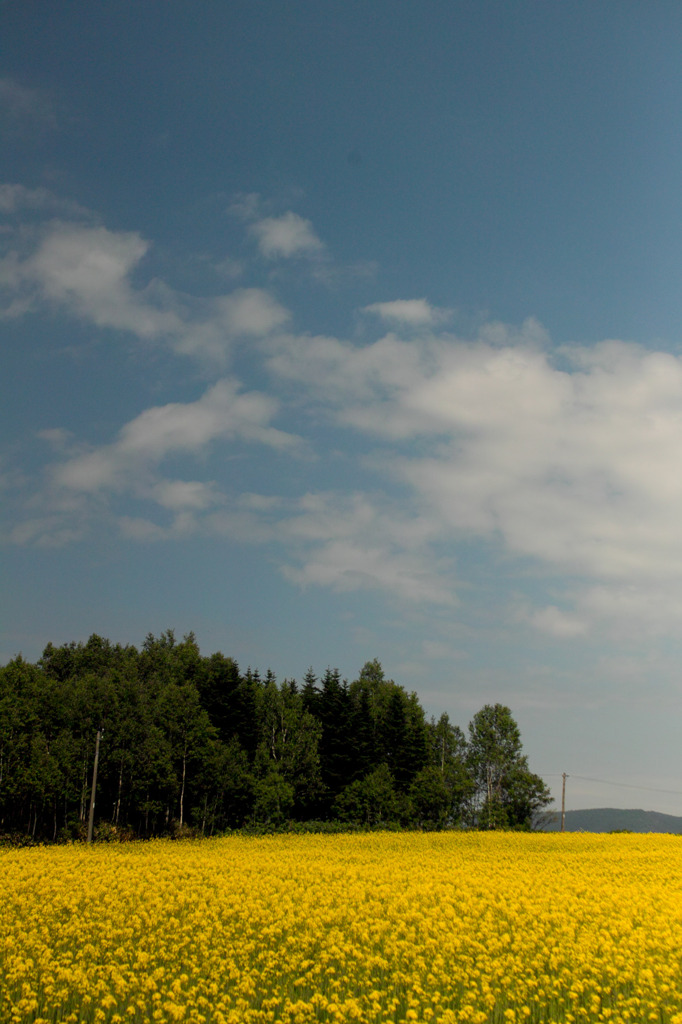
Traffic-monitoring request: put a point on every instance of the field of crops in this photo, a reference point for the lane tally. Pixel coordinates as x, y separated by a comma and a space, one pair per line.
383, 927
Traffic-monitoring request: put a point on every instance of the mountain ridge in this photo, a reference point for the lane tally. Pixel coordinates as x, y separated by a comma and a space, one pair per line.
614, 819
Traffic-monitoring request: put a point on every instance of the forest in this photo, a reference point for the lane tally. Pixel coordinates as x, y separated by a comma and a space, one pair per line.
190, 744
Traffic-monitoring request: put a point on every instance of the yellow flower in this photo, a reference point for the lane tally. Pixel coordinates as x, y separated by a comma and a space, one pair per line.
441, 927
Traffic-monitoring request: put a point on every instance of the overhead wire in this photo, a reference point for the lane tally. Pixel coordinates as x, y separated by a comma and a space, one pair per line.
608, 782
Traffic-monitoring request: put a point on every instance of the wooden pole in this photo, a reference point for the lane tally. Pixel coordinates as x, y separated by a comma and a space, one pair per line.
563, 803
91, 819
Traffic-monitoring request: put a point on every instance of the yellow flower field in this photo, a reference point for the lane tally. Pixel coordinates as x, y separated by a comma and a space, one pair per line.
497, 927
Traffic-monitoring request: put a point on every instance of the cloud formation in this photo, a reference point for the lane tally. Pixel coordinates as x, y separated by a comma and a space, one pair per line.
566, 460
286, 236
222, 413
89, 272
16, 198
410, 312
84, 481
26, 111
570, 459
349, 542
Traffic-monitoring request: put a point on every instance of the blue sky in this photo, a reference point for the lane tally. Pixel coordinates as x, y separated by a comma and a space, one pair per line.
340, 331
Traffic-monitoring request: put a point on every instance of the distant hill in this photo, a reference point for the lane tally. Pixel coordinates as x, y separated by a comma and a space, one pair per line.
611, 819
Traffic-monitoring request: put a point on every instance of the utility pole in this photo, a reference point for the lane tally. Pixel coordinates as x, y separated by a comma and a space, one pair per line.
563, 802
91, 819
490, 795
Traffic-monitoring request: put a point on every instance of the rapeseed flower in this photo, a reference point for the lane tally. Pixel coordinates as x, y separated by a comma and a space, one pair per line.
480, 928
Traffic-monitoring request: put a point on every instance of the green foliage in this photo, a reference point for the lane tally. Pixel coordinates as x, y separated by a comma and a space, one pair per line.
191, 745
371, 800
273, 798
430, 798
506, 794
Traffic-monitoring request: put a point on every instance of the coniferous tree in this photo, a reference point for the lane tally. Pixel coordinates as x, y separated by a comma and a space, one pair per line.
361, 752
188, 740
310, 693
219, 690
335, 740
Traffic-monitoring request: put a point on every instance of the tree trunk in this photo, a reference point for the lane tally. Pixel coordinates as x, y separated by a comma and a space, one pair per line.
182, 788
84, 790
490, 795
118, 799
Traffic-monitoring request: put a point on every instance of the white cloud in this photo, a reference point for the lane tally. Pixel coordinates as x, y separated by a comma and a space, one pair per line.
251, 311
18, 198
246, 206
244, 313
557, 623
439, 650
144, 530
49, 531
87, 486
617, 610
278, 237
350, 378
185, 494
229, 268
350, 543
343, 542
24, 110
222, 413
412, 312
140, 529
652, 607
567, 461
346, 565
58, 438
572, 463
88, 271
286, 236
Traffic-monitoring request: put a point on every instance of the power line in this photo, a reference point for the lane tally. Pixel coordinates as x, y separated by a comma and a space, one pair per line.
608, 782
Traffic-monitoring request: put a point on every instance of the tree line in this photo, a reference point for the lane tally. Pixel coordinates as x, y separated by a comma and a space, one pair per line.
191, 742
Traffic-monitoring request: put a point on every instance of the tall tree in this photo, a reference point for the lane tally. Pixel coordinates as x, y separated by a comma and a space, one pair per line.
506, 793
188, 733
290, 737
219, 689
441, 790
191, 739
310, 693
336, 743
